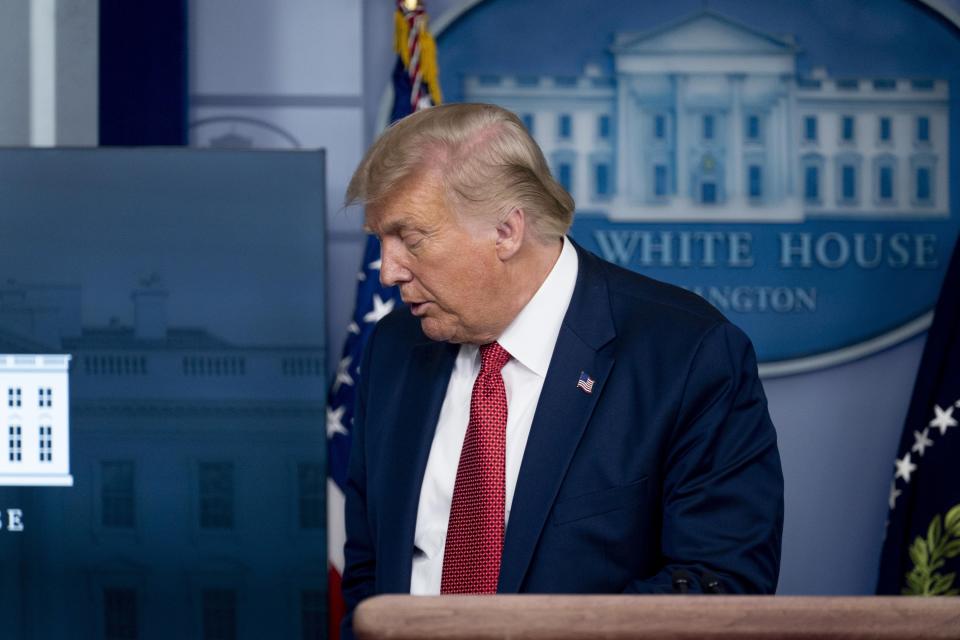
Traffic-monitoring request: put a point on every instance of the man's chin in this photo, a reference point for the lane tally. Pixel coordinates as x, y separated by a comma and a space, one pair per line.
436, 330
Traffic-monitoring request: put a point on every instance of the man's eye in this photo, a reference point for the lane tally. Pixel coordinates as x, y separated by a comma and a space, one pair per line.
412, 240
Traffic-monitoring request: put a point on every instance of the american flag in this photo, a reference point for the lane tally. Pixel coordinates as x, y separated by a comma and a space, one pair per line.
585, 382
373, 303
415, 88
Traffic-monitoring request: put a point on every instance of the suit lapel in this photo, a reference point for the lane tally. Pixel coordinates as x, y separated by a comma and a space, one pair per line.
562, 414
408, 447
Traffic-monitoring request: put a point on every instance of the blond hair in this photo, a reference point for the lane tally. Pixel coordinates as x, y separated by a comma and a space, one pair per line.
485, 157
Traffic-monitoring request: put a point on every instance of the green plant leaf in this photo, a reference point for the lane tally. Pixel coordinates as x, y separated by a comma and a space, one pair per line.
930, 553
952, 548
919, 553
913, 589
942, 584
952, 521
917, 582
934, 533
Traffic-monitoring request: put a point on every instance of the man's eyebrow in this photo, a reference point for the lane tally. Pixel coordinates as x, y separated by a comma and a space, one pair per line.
393, 226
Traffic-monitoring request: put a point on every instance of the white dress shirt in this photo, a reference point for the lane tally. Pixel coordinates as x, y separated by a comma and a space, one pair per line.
530, 340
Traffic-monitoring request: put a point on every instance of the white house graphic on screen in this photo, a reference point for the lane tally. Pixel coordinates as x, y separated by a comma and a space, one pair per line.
35, 420
709, 119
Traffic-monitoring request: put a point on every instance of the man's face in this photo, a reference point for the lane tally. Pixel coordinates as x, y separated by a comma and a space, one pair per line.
446, 266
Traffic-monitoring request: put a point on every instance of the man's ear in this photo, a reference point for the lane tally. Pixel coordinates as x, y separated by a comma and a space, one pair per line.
510, 233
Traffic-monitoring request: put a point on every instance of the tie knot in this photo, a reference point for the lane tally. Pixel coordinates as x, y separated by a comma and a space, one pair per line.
492, 357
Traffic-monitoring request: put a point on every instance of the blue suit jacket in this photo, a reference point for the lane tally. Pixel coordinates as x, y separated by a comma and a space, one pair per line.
670, 463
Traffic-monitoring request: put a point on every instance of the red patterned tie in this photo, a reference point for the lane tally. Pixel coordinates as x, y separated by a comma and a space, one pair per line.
471, 560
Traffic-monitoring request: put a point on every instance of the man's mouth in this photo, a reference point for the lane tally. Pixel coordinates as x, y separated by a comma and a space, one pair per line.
417, 308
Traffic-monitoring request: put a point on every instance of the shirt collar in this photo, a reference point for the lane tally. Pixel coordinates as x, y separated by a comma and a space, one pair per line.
532, 335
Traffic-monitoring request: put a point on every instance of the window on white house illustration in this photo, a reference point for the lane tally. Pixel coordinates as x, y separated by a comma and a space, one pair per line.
755, 181
848, 183
527, 119
660, 180
120, 613
602, 179
44, 397
659, 126
810, 128
753, 128
46, 443
924, 185
565, 126
216, 495
886, 129
15, 443
219, 611
565, 176
923, 129
884, 177
603, 127
886, 182
14, 397
117, 496
847, 130
708, 127
708, 192
811, 183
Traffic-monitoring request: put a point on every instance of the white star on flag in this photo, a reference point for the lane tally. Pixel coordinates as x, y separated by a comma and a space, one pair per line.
335, 422
343, 374
362, 276
353, 328
894, 494
921, 441
944, 419
375, 265
904, 468
380, 309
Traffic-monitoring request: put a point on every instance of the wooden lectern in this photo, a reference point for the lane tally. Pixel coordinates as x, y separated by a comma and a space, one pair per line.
542, 617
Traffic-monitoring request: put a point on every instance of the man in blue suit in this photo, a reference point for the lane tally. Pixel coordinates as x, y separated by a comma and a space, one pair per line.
621, 441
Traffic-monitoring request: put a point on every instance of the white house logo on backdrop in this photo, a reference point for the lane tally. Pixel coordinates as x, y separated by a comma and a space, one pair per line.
240, 132
35, 420
812, 209
706, 120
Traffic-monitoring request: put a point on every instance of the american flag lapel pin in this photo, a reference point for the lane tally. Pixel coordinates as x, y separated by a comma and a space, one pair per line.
585, 383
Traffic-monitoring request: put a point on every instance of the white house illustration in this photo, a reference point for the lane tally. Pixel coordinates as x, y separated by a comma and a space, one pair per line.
199, 467
707, 119
35, 420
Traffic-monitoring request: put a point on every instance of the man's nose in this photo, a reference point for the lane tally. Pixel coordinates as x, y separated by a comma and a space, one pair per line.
392, 269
